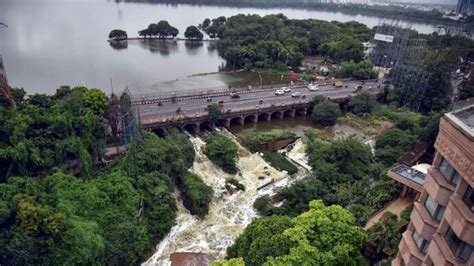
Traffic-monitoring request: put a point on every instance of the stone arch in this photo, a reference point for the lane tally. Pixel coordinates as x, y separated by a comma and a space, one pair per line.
178, 129
191, 128
206, 126
223, 123
264, 117
277, 114
236, 121
160, 132
301, 111
289, 113
250, 119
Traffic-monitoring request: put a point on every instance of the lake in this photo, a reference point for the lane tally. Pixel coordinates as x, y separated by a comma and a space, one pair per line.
49, 43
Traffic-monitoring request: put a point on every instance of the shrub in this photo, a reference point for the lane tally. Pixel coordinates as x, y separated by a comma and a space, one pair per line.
196, 194
362, 103
280, 162
222, 151
251, 140
326, 113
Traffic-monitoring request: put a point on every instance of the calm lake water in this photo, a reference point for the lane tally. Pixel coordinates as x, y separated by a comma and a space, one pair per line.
49, 43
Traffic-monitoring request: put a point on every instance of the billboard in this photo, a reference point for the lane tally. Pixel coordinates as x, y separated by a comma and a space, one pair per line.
383, 37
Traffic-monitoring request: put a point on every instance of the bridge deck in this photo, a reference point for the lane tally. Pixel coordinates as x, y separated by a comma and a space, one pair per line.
193, 107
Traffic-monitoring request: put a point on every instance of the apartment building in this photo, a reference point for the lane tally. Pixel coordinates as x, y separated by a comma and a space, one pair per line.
441, 228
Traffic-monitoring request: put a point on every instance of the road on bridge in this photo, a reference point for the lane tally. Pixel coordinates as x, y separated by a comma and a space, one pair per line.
196, 106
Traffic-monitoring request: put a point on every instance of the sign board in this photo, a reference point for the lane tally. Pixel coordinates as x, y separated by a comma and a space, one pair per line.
383, 37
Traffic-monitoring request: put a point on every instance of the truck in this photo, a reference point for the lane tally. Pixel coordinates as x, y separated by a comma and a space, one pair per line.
337, 84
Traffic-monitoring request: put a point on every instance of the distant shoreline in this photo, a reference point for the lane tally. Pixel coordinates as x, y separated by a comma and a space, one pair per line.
164, 39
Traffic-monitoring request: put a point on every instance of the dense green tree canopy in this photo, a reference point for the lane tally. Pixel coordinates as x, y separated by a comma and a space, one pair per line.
162, 30
362, 103
118, 35
222, 151
326, 113
193, 33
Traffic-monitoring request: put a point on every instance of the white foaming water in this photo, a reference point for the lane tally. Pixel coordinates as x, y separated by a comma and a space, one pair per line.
229, 214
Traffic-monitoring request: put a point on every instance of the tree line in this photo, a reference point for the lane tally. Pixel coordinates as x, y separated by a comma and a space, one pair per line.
160, 30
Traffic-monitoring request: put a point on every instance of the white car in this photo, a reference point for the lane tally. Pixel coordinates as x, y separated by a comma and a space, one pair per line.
313, 87
279, 92
296, 94
286, 89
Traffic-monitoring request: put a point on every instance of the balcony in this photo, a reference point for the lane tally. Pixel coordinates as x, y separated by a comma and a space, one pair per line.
440, 253
437, 186
408, 176
424, 224
460, 218
409, 250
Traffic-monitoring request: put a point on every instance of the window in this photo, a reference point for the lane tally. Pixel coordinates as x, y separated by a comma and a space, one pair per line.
434, 209
421, 243
449, 172
459, 248
468, 198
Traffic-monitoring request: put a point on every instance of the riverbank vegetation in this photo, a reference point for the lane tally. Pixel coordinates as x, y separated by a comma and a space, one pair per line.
59, 204
222, 151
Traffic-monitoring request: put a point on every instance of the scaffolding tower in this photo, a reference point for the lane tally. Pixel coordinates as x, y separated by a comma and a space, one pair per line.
394, 46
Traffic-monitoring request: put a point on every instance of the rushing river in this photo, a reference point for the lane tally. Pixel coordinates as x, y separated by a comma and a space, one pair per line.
49, 43
229, 214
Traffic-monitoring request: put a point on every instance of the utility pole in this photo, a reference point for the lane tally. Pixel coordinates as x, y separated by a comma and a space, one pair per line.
5, 92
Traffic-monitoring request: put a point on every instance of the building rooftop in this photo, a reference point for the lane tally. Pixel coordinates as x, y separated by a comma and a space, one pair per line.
463, 116
410, 174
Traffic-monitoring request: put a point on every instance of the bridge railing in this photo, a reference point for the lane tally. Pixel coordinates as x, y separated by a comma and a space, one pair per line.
151, 116
208, 91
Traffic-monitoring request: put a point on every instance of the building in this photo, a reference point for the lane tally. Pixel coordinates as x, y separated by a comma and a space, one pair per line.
441, 228
465, 7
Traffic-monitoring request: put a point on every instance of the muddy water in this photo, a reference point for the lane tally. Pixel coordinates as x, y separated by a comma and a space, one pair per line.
229, 214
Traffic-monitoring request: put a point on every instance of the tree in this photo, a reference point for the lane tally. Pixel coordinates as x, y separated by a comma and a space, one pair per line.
96, 100
197, 195
222, 151
326, 113
384, 234
118, 35
322, 236
193, 33
362, 103
214, 113
260, 239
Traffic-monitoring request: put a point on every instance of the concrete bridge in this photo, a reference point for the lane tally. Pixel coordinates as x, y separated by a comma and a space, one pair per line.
190, 113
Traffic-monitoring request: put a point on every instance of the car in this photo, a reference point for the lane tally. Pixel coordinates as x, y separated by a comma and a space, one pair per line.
285, 89
296, 94
313, 88
279, 92
234, 95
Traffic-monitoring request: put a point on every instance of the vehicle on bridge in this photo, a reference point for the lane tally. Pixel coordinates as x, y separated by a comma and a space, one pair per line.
296, 94
286, 89
234, 95
279, 92
313, 87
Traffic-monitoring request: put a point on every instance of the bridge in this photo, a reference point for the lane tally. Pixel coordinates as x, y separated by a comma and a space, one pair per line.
188, 110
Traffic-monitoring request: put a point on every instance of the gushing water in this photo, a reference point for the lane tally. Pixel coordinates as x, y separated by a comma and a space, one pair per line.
229, 213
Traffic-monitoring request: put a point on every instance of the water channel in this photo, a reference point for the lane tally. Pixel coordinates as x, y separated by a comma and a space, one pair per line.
229, 213
49, 43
